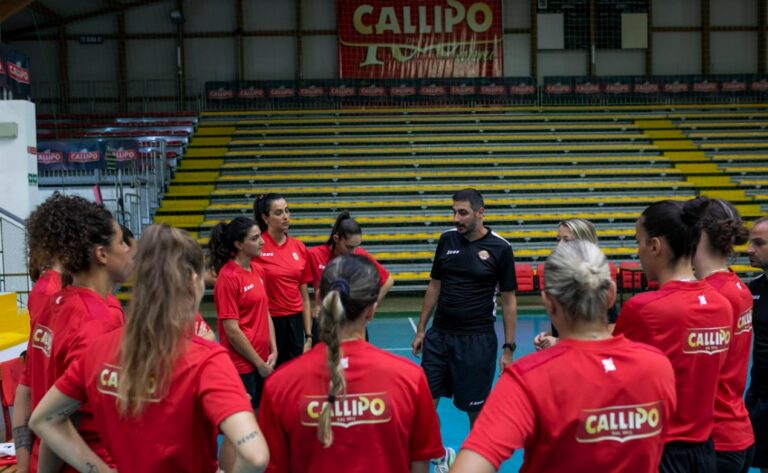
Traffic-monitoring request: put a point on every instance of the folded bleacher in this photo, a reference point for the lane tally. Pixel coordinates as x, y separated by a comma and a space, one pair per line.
149, 129
395, 170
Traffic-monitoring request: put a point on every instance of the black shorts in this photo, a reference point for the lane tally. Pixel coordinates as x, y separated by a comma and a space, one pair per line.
254, 386
460, 366
735, 461
289, 335
758, 414
688, 457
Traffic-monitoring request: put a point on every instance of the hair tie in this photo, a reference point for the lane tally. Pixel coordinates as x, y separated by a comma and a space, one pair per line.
331, 398
727, 209
342, 285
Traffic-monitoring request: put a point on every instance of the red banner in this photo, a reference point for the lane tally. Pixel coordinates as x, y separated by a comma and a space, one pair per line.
428, 38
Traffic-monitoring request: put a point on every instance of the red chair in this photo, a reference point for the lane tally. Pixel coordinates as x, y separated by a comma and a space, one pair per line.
10, 372
524, 275
540, 274
614, 272
631, 275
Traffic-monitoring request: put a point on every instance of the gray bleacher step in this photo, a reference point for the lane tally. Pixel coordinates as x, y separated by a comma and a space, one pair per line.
411, 186
437, 168
489, 197
417, 129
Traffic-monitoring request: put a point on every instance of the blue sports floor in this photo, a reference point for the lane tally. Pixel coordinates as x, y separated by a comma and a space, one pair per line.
396, 334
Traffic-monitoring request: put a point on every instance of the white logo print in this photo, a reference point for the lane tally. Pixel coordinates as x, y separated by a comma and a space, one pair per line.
608, 365
702, 300
295, 256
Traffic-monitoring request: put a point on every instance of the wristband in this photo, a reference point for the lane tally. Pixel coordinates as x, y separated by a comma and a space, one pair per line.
512, 346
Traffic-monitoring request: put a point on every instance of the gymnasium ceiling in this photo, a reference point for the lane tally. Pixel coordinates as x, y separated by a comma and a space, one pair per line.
22, 17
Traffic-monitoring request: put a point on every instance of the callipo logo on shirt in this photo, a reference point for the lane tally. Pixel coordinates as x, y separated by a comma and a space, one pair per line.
108, 381
620, 423
744, 324
349, 410
42, 339
707, 341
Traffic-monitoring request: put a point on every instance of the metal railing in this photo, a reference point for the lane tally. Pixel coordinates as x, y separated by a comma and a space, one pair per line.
14, 276
102, 96
135, 191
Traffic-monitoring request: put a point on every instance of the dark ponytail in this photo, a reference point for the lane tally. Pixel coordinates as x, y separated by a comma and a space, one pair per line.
677, 225
261, 207
345, 226
349, 285
720, 221
222, 240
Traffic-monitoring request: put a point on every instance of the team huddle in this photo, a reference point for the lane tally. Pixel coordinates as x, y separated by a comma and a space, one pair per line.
293, 385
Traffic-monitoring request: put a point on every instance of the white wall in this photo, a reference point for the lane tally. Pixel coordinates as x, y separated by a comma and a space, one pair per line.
17, 194
93, 67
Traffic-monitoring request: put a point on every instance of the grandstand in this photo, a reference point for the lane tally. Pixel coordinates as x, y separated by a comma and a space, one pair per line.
395, 170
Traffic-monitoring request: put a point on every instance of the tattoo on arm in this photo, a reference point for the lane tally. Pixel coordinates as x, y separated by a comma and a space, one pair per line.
69, 410
22, 436
248, 437
64, 413
91, 468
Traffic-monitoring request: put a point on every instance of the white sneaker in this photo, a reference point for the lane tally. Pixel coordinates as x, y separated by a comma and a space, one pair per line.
443, 464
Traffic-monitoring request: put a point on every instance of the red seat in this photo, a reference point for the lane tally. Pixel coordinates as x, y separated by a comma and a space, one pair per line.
524, 275
631, 276
540, 274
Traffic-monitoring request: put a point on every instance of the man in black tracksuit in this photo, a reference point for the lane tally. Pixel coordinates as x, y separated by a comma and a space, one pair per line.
471, 265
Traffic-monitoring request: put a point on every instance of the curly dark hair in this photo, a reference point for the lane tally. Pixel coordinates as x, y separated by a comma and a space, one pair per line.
66, 228
722, 223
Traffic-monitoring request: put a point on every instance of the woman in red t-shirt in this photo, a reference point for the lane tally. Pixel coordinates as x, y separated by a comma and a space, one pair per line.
159, 393
347, 405
44, 244
590, 403
722, 229
245, 328
94, 256
346, 238
686, 319
284, 260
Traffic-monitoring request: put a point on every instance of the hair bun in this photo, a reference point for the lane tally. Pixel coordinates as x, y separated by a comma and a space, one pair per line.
587, 275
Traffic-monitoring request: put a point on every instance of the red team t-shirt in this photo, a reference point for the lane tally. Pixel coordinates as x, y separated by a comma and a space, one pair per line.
385, 421
201, 327
176, 431
286, 269
46, 286
690, 322
580, 406
240, 295
75, 318
320, 256
733, 430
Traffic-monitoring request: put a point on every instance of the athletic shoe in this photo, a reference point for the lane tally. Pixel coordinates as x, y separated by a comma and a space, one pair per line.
443, 464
